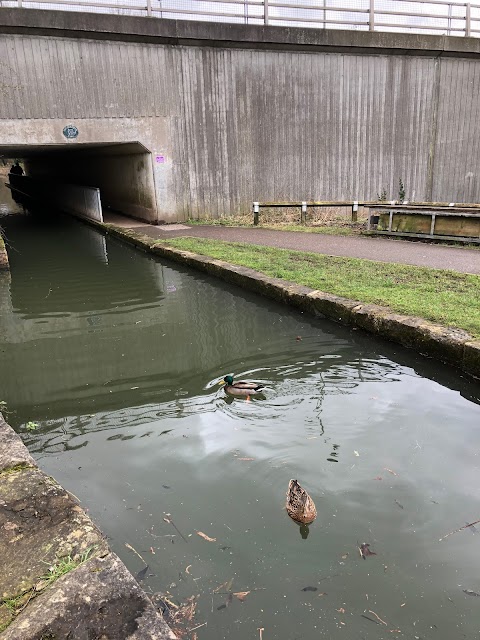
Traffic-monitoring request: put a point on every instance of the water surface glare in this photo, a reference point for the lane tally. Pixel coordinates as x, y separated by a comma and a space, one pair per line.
117, 356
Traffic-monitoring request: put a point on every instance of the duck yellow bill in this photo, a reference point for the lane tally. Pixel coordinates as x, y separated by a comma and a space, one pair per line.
221, 382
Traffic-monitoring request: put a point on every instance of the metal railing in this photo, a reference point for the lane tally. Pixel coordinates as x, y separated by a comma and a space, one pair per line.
408, 16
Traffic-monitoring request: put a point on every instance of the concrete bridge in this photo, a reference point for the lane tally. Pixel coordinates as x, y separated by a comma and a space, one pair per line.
174, 119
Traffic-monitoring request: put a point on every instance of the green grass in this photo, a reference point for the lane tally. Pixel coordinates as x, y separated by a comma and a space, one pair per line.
446, 297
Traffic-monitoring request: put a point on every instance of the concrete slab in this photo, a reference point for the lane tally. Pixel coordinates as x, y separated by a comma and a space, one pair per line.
99, 599
39, 523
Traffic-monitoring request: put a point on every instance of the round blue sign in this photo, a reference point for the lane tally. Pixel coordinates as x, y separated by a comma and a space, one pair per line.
70, 131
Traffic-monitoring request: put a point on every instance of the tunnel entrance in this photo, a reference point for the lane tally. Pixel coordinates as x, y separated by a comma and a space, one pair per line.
123, 172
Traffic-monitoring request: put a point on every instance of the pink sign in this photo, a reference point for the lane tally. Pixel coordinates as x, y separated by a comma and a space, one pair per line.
160, 159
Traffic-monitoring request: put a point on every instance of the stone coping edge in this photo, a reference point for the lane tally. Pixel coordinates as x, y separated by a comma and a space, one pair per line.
41, 523
449, 345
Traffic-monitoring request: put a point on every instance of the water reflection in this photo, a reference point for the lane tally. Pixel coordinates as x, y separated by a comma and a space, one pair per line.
117, 356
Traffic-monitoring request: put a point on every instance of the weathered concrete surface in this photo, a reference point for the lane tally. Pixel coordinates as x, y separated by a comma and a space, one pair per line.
98, 600
39, 522
452, 346
193, 96
41, 526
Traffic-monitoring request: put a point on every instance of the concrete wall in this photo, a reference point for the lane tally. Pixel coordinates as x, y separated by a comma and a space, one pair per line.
72, 198
248, 113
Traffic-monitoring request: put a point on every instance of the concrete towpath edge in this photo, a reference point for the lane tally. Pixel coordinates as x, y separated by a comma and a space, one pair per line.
452, 346
59, 578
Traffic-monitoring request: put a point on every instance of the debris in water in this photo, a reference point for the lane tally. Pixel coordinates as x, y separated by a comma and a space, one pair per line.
309, 589
341, 610
141, 574
129, 546
205, 537
364, 550
298, 338
398, 504
469, 592
168, 519
241, 595
472, 528
378, 617
390, 471
187, 570
466, 526
246, 459
356, 453
368, 618
225, 586
378, 478
166, 486
261, 630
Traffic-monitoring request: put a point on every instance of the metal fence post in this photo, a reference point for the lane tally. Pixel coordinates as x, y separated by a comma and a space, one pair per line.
468, 19
256, 208
371, 16
265, 11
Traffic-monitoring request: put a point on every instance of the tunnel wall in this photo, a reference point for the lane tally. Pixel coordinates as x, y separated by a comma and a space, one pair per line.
72, 198
125, 180
240, 113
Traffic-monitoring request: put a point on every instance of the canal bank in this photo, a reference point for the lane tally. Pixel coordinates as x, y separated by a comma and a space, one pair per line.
449, 345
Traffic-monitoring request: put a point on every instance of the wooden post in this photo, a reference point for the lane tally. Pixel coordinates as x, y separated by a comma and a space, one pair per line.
256, 208
303, 215
355, 211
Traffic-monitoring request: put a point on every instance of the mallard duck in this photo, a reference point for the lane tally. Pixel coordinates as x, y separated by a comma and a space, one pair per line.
300, 507
241, 388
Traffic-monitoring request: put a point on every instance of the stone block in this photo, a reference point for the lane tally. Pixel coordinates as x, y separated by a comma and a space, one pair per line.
330, 306
471, 358
40, 522
13, 452
99, 599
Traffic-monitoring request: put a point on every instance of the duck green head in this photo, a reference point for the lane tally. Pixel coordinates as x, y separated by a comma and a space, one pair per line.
228, 379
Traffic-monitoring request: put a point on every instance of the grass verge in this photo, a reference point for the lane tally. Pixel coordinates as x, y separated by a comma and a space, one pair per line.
331, 229
446, 297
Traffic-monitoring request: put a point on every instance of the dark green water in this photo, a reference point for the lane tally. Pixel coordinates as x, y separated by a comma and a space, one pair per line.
116, 356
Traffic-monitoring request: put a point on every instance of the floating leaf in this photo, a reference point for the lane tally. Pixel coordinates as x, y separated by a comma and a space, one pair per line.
241, 595
205, 537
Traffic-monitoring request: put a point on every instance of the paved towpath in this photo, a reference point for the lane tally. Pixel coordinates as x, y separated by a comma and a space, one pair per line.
382, 249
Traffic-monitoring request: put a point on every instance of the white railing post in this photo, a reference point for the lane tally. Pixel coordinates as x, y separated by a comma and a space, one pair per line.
371, 16
149, 7
468, 19
265, 11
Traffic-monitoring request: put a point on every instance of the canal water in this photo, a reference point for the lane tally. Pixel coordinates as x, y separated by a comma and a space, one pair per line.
116, 356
